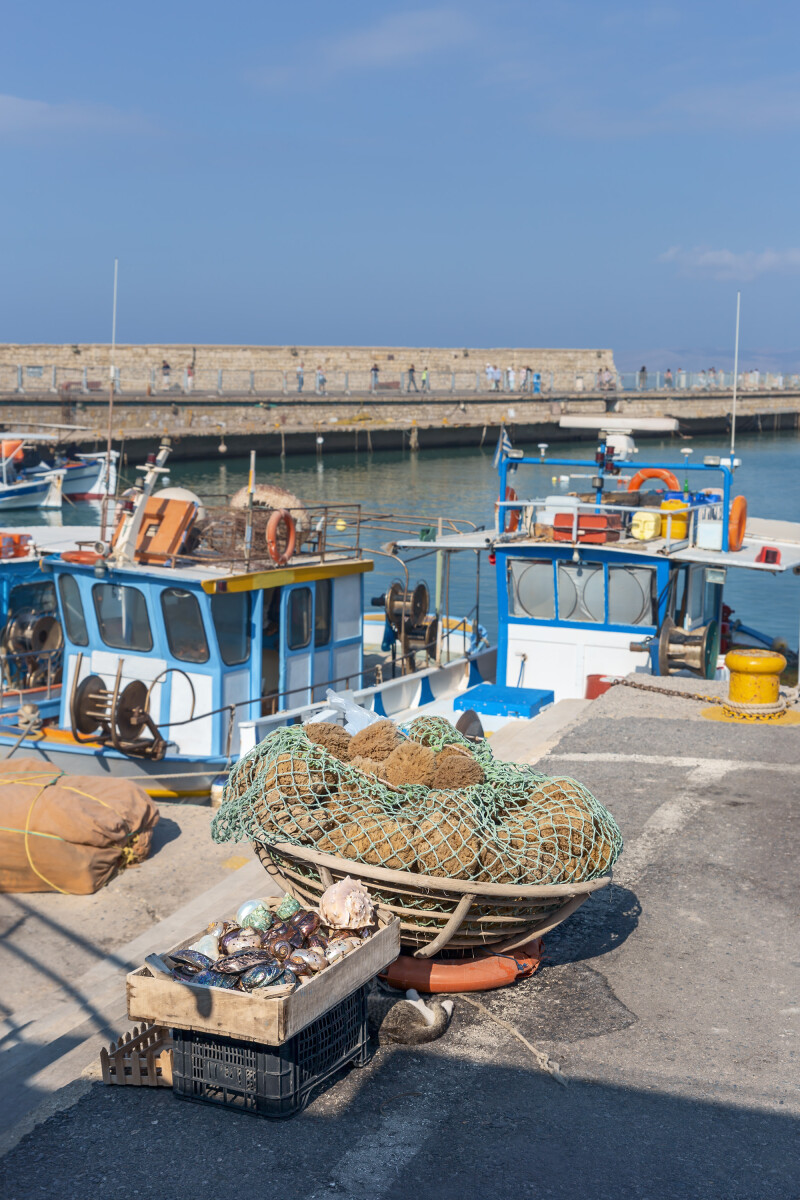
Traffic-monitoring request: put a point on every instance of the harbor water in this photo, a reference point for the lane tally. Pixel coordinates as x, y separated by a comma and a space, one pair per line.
462, 483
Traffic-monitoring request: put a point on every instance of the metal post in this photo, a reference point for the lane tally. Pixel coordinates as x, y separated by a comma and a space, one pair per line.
285, 384
53, 385
219, 382
735, 384
85, 380
110, 402
249, 529
252, 382
347, 383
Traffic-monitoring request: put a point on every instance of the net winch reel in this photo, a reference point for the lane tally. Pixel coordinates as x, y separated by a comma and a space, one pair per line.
30, 650
678, 649
119, 718
407, 614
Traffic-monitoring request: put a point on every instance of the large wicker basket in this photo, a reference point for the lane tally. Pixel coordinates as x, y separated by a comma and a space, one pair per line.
435, 913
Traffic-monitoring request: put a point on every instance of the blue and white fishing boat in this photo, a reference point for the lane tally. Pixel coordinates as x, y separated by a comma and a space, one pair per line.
19, 490
85, 476
191, 631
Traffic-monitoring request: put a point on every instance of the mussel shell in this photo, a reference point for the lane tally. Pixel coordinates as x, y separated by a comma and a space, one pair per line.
287, 977
235, 964
240, 939
192, 959
281, 949
261, 975
216, 979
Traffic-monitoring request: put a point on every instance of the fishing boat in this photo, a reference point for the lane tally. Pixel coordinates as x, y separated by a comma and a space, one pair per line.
18, 490
190, 630
86, 476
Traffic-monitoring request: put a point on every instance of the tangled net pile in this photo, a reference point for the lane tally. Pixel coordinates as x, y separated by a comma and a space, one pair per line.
421, 799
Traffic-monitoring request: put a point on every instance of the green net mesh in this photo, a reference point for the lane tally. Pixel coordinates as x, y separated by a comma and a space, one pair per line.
515, 826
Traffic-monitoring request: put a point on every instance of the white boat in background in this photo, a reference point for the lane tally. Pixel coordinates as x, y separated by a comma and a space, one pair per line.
17, 490
86, 476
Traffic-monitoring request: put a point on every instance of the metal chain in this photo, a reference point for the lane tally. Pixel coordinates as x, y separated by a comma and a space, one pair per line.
745, 710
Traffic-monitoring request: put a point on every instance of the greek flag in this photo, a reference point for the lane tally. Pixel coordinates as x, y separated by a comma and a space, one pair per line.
503, 447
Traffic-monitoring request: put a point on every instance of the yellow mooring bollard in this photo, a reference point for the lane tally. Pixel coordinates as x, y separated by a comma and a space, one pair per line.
755, 676
754, 690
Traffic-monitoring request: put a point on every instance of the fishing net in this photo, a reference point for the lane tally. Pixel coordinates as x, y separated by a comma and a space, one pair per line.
391, 798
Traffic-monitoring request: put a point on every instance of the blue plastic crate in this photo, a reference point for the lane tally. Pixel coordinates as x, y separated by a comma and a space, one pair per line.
499, 700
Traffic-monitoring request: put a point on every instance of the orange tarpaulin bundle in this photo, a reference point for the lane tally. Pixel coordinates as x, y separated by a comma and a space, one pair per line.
68, 833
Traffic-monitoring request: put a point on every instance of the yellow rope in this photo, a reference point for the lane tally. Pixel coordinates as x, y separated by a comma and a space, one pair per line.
28, 832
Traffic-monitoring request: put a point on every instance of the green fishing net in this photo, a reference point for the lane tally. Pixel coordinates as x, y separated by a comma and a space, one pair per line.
516, 826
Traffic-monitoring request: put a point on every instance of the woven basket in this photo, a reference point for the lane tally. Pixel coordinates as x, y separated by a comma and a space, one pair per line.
435, 913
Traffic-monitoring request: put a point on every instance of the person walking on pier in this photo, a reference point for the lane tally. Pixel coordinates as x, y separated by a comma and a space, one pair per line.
190, 377
643, 379
300, 378
426, 379
374, 377
165, 370
668, 383
411, 379
511, 379
321, 381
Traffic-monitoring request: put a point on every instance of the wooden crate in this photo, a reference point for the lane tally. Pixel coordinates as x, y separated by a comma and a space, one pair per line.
139, 1059
268, 1015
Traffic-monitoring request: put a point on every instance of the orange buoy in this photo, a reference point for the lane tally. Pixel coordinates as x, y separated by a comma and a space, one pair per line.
737, 523
281, 516
511, 518
486, 970
86, 558
636, 481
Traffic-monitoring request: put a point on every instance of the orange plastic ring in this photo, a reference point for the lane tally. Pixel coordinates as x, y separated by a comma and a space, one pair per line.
511, 514
636, 481
737, 523
278, 517
86, 558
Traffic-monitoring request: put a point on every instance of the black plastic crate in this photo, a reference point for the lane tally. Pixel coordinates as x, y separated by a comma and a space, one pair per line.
271, 1081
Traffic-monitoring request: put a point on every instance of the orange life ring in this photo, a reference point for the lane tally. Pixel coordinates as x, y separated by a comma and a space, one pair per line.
737, 522
278, 517
511, 515
636, 481
479, 974
86, 558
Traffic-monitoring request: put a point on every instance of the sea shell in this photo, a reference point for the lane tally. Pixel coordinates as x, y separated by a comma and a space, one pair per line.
236, 964
213, 978
261, 976
306, 924
258, 918
287, 907
240, 939
288, 977
279, 929
295, 938
317, 941
208, 945
216, 928
312, 958
245, 909
190, 959
346, 905
298, 966
281, 949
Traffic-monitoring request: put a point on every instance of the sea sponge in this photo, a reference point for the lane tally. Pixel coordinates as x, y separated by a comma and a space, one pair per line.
456, 771
296, 778
374, 838
280, 816
377, 741
332, 737
367, 766
410, 763
447, 845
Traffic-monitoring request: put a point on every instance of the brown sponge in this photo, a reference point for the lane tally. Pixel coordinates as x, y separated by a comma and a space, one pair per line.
334, 739
377, 741
456, 771
410, 763
368, 766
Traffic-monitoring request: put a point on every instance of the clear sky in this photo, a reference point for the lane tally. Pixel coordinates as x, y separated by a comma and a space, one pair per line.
578, 173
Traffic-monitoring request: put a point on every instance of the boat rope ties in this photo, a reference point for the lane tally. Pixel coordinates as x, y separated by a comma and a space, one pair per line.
474, 817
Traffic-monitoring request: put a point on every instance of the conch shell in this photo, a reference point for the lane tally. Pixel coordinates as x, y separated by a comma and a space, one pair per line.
346, 905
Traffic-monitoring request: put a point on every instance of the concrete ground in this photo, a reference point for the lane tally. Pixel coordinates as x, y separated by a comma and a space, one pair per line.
670, 1001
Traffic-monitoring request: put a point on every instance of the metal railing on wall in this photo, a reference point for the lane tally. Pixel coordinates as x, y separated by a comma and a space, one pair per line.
309, 384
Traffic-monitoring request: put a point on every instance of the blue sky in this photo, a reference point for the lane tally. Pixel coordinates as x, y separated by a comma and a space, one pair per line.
520, 173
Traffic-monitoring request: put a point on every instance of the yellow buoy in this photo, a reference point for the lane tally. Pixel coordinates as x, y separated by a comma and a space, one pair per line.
755, 676
341, 524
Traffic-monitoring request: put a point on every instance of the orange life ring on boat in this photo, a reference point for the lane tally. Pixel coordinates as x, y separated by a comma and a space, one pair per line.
737, 522
636, 481
278, 517
479, 974
86, 558
511, 515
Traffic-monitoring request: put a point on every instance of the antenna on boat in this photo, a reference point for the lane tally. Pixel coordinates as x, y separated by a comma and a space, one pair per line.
735, 377
112, 380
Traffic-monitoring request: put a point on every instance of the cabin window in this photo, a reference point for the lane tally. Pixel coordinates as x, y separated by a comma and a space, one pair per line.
230, 612
184, 625
632, 595
531, 589
72, 608
41, 597
122, 617
322, 613
581, 592
299, 635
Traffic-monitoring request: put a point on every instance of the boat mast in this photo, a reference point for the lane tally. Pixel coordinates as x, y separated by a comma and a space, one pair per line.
735, 376
110, 401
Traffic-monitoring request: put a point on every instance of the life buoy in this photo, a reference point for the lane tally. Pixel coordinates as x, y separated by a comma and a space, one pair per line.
737, 522
511, 524
479, 974
636, 481
281, 516
86, 558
